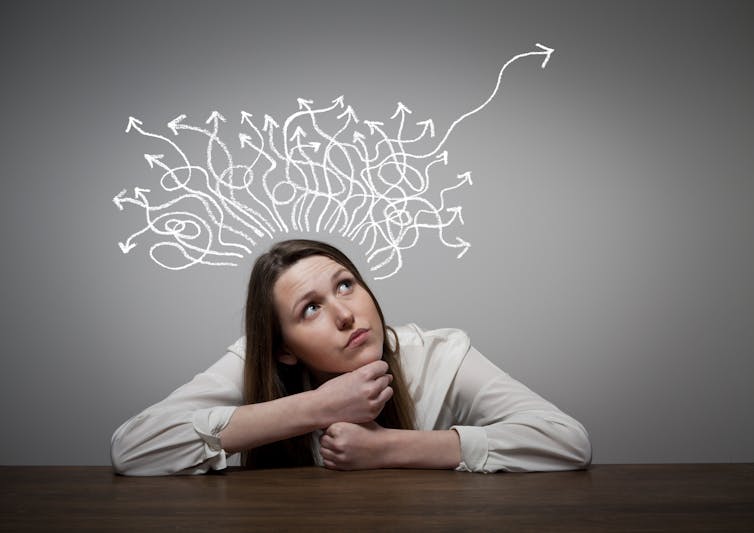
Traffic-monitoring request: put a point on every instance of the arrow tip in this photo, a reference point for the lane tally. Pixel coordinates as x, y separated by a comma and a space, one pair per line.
132, 122
125, 248
117, 197
215, 115
173, 124
269, 122
466, 246
547, 51
153, 158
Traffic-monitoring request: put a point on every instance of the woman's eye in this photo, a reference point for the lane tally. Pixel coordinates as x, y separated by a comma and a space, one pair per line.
309, 310
345, 285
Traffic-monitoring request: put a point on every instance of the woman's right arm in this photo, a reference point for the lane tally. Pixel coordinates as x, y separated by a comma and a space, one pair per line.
178, 435
356, 397
194, 429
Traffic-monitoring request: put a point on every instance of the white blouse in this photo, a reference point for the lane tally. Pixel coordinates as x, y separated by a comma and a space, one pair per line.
503, 425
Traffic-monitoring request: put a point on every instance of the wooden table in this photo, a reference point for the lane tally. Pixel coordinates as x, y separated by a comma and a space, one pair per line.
689, 497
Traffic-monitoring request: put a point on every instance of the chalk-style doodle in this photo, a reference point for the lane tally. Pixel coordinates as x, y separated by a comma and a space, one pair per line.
321, 170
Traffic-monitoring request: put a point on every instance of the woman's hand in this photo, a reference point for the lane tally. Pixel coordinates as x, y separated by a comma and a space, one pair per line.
346, 446
357, 396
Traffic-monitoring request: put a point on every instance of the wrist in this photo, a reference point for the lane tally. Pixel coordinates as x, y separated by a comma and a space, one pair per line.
392, 442
405, 448
319, 408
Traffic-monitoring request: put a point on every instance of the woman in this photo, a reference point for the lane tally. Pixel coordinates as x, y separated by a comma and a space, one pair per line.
320, 379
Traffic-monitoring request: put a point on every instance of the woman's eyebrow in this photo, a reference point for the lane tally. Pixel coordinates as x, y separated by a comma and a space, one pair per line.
310, 294
337, 273
306, 296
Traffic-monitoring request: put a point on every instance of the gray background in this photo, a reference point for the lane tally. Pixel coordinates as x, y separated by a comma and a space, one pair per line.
610, 218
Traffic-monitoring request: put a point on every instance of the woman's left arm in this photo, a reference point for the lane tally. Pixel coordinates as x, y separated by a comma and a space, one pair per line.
496, 424
505, 426
345, 446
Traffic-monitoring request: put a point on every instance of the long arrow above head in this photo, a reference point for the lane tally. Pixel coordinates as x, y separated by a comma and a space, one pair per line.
543, 51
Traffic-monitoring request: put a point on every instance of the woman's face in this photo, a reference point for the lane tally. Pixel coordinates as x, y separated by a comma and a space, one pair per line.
329, 322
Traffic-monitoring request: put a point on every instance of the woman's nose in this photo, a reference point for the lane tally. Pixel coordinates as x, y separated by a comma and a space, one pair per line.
343, 316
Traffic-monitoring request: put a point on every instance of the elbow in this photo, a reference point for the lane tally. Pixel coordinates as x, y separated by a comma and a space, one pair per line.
119, 466
577, 447
121, 454
127, 455
117, 455
569, 447
582, 449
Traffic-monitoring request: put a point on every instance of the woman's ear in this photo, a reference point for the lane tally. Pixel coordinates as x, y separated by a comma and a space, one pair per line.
287, 358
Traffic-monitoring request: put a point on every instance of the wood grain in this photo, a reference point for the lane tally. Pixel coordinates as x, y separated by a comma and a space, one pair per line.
684, 497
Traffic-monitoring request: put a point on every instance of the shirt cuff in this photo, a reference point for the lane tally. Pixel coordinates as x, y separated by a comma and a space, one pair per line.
473, 448
208, 423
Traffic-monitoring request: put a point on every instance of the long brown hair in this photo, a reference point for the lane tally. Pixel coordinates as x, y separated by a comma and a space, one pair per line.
265, 378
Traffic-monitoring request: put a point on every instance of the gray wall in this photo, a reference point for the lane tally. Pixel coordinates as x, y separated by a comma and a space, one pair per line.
610, 217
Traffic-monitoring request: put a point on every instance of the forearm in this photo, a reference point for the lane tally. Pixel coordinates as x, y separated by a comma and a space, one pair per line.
177, 434
354, 397
421, 449
526, 442
258, 424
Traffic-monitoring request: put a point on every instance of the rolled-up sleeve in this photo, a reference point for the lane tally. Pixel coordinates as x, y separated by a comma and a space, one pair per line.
504, 426
180, 434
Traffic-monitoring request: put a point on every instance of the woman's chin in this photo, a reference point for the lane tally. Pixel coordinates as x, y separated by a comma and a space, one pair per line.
370, 355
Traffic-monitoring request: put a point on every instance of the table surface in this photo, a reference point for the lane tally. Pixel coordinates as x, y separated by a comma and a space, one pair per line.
682, 497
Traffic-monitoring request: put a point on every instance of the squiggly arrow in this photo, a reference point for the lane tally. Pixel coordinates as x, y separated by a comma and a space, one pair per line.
362, 179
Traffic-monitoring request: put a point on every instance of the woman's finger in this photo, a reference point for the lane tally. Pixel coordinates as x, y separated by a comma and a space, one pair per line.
327, 442
327, 455
381, 384
385, 395
374, 369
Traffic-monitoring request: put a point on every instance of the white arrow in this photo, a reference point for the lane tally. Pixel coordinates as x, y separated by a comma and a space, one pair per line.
299, 132
153, 158
548, 53
429, 123
401, 109
173, 124
456, 212
140, 193
215, 116
545, 51
127, 246
349, 112
269, 122
465, 178
373, 125
462, 244
118, 199
245, 139
132, 122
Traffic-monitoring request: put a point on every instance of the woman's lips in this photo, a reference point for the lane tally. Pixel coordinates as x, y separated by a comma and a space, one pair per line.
358, 338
